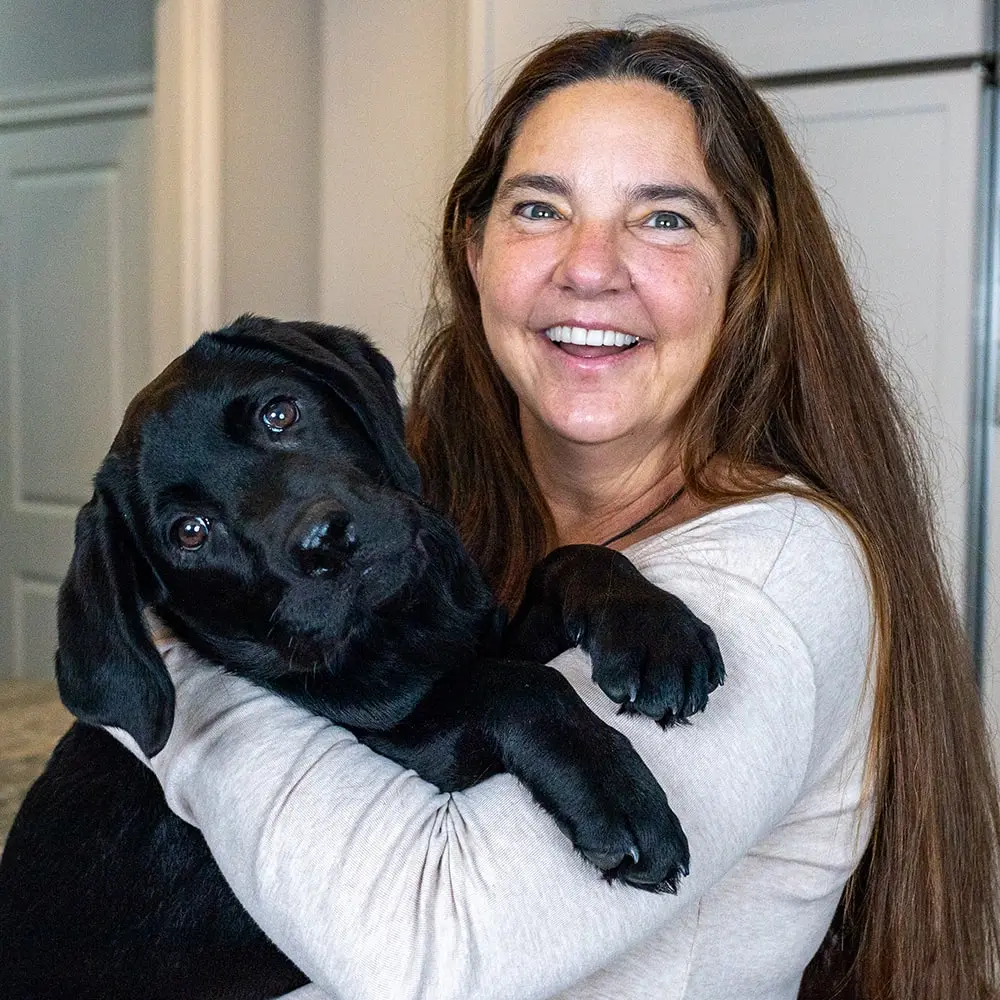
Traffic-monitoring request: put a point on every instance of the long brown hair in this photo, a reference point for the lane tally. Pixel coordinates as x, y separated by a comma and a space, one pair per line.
793, 387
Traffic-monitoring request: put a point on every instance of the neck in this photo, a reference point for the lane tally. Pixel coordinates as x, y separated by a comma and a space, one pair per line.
594, 492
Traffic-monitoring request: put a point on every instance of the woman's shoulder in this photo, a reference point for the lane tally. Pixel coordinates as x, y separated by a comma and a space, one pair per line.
762, 541
791, 563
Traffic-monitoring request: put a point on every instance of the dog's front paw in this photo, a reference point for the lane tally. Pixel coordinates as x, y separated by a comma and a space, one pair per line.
628, 830
650, 652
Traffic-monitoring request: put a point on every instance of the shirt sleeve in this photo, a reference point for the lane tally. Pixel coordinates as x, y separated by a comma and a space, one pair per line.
376, 884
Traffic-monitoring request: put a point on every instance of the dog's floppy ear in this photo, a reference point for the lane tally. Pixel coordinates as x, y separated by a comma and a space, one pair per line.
108, 669
354, 369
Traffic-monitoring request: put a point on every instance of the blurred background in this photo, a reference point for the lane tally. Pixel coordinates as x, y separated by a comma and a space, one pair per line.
166, 166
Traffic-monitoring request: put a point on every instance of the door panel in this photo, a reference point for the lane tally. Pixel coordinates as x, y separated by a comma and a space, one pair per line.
765, 37
783, 36
896, 162
74, 337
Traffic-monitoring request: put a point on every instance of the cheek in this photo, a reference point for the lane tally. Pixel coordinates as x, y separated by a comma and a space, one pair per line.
511, 278
506, 351
686, 302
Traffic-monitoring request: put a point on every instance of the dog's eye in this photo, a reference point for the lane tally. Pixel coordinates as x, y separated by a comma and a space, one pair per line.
280, 414
190, 532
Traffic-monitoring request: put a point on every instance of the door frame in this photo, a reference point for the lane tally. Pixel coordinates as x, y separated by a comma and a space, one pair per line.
186, 222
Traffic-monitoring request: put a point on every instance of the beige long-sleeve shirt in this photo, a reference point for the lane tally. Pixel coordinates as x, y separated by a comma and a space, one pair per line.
380, 887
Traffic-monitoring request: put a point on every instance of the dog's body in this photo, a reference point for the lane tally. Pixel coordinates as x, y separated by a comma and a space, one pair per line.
259, 499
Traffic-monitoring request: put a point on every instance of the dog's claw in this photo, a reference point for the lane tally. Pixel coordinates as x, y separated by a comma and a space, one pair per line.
610, 862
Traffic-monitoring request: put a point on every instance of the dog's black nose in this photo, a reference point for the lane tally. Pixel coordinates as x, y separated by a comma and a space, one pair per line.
324, 538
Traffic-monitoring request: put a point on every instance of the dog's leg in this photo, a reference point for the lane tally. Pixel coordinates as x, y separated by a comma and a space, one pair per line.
525, 718
650, 653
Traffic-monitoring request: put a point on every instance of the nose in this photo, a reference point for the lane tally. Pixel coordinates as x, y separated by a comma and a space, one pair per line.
323, 538
592, 262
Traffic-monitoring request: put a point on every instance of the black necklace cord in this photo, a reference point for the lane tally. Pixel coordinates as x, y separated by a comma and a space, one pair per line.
669, 502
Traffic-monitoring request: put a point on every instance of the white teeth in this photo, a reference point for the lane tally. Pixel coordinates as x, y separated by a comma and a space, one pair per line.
590, 338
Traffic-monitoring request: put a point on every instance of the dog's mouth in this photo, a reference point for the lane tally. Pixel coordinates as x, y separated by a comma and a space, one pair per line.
388, 579
321, 618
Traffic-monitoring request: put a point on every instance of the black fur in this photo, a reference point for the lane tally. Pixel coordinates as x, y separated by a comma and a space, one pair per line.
323, 576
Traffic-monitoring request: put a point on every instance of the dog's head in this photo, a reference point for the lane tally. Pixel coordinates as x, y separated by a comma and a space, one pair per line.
259, 498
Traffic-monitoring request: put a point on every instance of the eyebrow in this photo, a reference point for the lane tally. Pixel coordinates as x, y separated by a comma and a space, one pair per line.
551, 184
548, 183
669, 192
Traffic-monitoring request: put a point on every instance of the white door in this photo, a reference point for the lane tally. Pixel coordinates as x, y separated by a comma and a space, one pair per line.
897, 164
74, 341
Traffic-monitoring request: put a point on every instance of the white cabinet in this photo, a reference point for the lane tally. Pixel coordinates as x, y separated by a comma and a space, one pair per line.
897, 164
782, 36
897, 160
766, 37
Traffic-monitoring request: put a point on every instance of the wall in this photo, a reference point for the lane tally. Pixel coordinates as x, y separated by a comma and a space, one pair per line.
271, 87
237, 148
392, 135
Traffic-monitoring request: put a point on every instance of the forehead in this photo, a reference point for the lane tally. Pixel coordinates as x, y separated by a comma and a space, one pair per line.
197, 388
204, 399
192, 412
627, 130
198, 436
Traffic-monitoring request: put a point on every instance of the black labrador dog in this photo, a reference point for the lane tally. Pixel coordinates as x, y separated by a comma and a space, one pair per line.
260, 500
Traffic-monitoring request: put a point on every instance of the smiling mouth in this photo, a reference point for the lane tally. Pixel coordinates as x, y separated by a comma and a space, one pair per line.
590, 343
589, 338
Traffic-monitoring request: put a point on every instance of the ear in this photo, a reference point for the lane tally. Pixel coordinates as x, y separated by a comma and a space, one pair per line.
473, 256
374, 403
108, 669
353, 368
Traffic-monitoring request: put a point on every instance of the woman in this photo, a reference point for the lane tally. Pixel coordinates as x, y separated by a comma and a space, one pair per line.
725, 418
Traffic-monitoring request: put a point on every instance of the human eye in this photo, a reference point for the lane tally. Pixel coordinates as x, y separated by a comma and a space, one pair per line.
535, 211
667, 221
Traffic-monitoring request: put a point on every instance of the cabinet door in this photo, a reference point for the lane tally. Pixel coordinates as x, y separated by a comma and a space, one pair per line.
782, 36
73, 349
766, 37
991, 630
897, 165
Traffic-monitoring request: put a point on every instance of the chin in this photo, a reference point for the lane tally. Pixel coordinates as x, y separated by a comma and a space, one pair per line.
588, 429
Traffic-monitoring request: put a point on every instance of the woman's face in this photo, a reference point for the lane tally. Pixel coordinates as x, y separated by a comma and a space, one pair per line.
605, 228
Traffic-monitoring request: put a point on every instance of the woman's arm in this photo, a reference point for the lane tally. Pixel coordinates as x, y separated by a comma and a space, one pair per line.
376, 884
